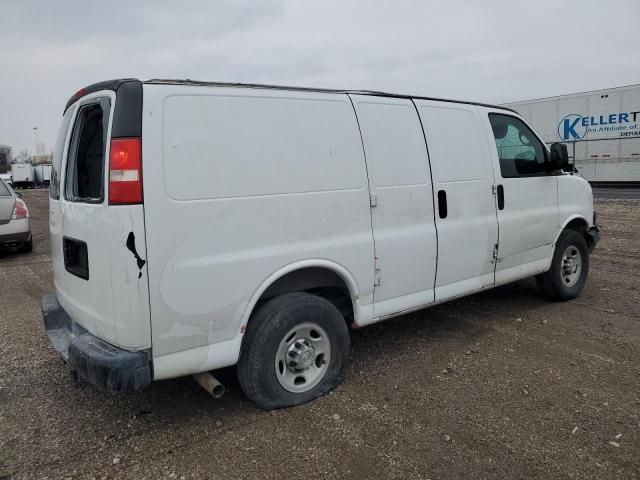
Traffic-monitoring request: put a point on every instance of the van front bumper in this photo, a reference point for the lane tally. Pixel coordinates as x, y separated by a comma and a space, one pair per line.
594, 236
90, 358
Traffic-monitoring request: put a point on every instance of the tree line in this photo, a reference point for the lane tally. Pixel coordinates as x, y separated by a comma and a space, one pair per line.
7, 157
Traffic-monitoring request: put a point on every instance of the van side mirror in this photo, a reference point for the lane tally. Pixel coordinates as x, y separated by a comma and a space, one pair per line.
559, 158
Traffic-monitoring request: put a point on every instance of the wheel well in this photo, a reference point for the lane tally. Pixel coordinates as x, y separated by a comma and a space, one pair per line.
580, 226
317, 281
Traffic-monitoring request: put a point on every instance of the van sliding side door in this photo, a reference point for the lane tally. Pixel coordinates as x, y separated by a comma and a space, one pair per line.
465, 210
401, 203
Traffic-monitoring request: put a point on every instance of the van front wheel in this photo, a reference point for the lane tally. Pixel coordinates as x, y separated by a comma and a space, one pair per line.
294, 350
569, 268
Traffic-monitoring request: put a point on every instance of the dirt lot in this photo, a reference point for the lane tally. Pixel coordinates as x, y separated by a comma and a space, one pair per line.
498, 385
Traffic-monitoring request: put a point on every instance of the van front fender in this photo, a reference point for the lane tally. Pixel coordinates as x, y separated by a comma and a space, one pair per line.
571, 219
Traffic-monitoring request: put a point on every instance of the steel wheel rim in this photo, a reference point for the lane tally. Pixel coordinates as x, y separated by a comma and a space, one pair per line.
571, 266
303, 357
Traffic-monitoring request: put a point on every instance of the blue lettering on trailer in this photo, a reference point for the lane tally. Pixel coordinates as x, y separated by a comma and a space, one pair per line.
568, 128
576, 127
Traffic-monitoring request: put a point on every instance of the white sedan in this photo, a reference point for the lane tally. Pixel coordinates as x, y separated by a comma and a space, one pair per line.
7, 178
15, 226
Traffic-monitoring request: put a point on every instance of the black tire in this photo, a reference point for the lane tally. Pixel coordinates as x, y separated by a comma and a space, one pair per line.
267, 328
26, 247
551, 283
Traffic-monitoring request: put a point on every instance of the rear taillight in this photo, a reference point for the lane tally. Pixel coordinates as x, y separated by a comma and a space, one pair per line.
125, 172
19, 210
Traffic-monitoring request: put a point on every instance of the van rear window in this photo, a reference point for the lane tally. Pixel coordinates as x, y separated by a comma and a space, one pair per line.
85, 164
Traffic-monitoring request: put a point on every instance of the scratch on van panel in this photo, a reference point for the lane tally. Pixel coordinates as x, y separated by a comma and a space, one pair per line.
131, 245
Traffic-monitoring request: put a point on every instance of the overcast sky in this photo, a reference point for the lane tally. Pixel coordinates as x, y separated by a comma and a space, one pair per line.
488, 50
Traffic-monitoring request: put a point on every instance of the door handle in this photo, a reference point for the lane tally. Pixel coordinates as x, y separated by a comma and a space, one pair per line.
500, 191
442, 203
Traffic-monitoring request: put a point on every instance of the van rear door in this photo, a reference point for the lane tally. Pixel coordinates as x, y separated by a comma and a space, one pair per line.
99, 249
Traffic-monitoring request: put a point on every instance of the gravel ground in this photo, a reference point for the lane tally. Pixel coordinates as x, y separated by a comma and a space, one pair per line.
501, 384
616, 193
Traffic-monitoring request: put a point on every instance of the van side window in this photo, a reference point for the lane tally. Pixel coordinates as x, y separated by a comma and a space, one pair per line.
520, 152
84, 179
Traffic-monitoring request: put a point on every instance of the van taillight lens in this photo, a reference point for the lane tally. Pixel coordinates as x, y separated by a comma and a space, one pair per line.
19, 210
125, 172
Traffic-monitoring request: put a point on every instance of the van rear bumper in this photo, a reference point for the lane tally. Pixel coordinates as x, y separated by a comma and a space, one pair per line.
90, 358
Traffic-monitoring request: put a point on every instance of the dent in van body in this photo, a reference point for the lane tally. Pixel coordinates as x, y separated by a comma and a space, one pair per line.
222, 271
209, 318
207, 252
226, 353
130, 297
131, 246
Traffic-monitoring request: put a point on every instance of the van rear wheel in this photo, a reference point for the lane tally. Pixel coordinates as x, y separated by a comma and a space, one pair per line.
294, 350
569, 268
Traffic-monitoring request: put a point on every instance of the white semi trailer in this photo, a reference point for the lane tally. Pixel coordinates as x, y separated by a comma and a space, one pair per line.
22, 175
42, 174
601, 129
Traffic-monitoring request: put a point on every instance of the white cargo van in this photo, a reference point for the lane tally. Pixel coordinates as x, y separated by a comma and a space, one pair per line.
314, 211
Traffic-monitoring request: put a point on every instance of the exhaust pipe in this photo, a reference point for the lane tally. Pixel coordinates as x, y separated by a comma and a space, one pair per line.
210, 384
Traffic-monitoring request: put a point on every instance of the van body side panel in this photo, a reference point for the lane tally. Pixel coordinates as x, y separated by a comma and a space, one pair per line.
109, 298
403, 218
575, 200
238, 184
462, 175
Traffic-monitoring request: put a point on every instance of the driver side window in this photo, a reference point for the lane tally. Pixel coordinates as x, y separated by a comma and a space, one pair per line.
520, 152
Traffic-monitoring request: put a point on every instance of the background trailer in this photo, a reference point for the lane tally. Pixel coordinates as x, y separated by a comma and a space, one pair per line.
42, 174
22, 175
601, 129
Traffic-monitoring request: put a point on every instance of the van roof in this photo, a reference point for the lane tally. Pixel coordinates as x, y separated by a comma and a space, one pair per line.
162, 81
114, 84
